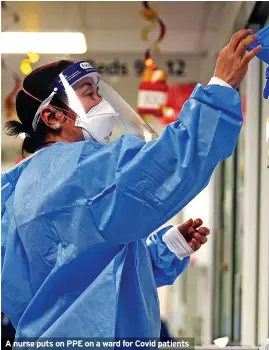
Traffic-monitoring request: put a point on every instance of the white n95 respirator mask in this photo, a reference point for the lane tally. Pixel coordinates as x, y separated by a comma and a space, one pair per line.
99, 122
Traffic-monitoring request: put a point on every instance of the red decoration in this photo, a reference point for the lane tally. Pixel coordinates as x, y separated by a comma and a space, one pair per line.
150, 15
9, 103
153, 89
177, 96
153, 93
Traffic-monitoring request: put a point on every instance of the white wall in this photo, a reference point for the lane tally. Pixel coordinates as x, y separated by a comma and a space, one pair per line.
263, 276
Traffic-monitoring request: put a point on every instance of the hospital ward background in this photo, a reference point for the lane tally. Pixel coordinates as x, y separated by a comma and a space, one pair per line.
225, 290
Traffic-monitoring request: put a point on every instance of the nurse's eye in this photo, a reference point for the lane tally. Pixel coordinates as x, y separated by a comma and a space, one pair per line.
89, 93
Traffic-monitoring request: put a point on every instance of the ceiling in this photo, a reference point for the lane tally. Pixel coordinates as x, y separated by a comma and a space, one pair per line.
115, 26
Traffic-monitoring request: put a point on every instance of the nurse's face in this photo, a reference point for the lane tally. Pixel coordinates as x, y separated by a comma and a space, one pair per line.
87, 93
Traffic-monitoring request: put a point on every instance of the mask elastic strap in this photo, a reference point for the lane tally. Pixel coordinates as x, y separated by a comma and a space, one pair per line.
45, 103
28, 93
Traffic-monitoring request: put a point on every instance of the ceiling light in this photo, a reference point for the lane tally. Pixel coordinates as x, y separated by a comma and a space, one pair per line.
42, 43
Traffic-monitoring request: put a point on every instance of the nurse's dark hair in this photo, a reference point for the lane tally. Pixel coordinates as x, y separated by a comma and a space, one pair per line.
37, 84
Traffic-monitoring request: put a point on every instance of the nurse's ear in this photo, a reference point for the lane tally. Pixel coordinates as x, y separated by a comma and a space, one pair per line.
52, 118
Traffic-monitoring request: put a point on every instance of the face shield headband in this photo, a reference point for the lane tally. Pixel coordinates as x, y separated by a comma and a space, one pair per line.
69, 76
98, 109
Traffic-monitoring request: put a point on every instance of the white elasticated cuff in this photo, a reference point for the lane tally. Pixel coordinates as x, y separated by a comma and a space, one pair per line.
218, 81
176, 243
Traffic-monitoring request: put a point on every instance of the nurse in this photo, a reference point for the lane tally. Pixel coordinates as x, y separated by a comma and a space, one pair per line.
78, 255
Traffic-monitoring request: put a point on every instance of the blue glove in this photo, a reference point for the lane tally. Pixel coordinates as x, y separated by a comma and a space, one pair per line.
263, 40
263, 55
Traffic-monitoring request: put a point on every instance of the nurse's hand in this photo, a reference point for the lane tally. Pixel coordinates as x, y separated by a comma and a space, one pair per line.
233, 60
194, 234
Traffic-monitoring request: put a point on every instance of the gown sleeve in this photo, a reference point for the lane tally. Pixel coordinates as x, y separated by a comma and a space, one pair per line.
165, 264
144, 184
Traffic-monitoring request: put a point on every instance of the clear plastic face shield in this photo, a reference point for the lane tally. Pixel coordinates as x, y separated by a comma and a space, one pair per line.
100, 111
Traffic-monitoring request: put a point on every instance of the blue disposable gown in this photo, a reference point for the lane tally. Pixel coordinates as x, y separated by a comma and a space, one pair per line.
78, 256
